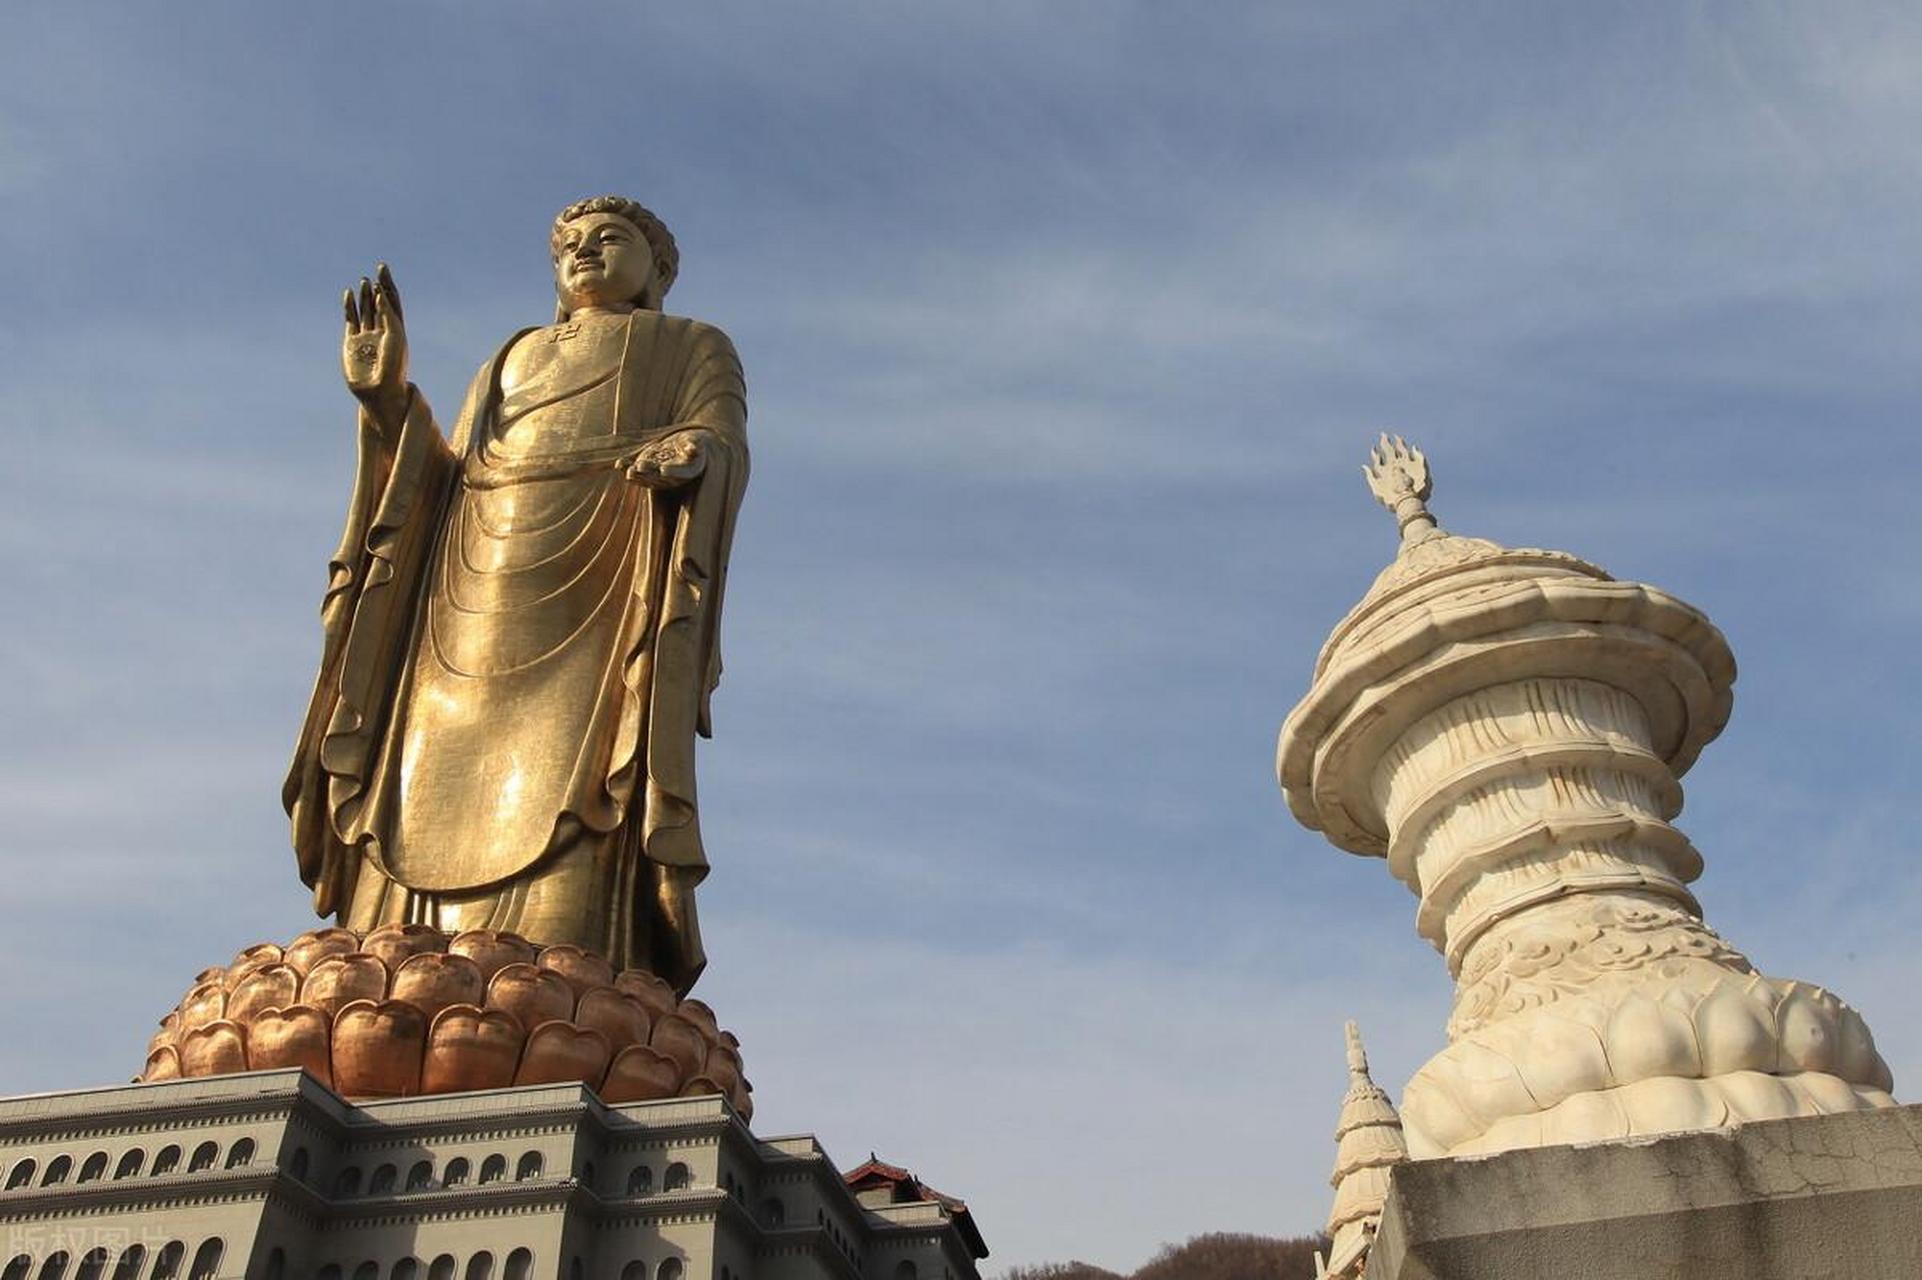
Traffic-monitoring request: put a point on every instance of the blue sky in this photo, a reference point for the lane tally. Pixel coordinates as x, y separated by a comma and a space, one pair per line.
1066, 329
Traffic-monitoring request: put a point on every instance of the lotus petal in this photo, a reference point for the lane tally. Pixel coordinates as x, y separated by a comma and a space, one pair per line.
559, 1051
1647, 1039
378, 1049
299, 1036
531, 994
316, 944
336, 981
723, 1067
1560, 1058
1586, 1117
698, 1013
1483, 1081
1433, 1120
216, 973
616, 1015
1670, 1104
434, 980
254, 958
682, 1041
1756, 1095
641, 1074
204, 1004
393, 943
471, 1048
1830, 1094
702, 1087
1736, 1033
273, 986
743, 1100
1856, 1058
216, 1049
492, 949
1806, 1027
648, 989
583, 969
162, 1064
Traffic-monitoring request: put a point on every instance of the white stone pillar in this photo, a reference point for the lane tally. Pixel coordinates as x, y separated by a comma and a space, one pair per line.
1508, 729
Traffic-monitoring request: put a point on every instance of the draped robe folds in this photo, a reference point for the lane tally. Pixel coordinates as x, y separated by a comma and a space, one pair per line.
519, 649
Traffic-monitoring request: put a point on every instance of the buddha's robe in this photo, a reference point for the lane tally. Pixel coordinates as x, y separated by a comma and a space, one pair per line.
520, 645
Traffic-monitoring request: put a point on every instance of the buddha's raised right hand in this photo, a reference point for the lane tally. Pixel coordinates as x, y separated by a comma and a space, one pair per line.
373, 351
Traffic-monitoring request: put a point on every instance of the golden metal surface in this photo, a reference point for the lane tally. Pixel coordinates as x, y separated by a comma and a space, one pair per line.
520, 622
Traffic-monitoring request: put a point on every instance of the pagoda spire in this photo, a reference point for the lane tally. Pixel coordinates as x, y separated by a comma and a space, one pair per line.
1368, 1144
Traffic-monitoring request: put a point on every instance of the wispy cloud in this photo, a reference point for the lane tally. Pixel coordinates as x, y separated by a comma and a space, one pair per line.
1065, 329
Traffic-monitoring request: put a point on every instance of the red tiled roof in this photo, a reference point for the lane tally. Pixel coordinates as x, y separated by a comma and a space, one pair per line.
905, 1188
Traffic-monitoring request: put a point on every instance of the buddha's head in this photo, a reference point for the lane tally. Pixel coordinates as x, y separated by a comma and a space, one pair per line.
611, 252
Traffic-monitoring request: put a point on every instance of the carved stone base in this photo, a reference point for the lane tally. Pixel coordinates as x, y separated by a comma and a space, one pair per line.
1606, 1016
409, 1009
1817, 1196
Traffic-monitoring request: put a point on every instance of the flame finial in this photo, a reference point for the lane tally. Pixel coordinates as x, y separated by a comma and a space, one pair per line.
1397, 474
1357, 1056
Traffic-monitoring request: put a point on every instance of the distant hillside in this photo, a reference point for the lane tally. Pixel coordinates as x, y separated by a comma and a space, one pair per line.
1211, 1257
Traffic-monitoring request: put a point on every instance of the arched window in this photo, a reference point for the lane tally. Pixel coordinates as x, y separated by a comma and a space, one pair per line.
203, 1158
93, 1266
421, 1176
442, 1268
22, 1176
298, 1168
635, 1270
276, 1265
383, 1182
405, 1269
129, 1166
128, 1268
367, 1271
166, 1162
529, 1167
456, 1174
520, 1265
773, 1212
671, 1269
640, 1180
677, 1178
493, 1169
95, 1168
54, 1267
481, 1265
240, 1154
905, 1270
347, 1181
167, 1265
22, 1262
57, 1172
207, 1260
574, 1268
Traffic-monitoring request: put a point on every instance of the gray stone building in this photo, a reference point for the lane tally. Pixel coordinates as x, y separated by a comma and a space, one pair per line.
270, 1174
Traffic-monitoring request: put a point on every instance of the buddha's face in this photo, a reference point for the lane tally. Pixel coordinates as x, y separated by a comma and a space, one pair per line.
604, 261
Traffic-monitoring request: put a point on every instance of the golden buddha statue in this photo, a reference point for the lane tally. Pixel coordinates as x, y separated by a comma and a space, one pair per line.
520, 621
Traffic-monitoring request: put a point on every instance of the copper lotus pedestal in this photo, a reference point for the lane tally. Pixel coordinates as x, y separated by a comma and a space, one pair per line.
410, 1009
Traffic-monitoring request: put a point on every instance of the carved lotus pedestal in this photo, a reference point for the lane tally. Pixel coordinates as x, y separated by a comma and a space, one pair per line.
409, 1009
